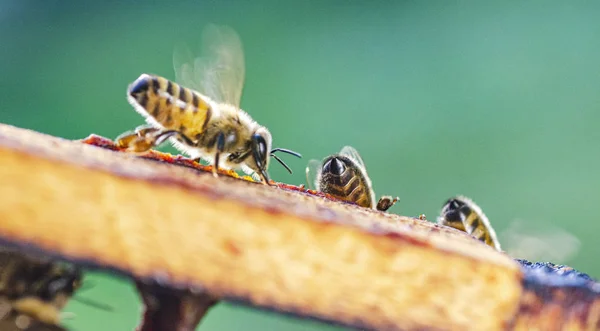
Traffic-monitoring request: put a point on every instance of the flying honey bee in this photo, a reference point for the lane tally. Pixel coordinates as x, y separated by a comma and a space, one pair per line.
37, 288
465, 215
344, 176
203, 119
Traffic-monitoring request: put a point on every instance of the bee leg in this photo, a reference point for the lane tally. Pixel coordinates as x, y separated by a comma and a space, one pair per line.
144, 138
133, 142
125, 139
164, 135
37, 308
385, 202
220, 144
144, 130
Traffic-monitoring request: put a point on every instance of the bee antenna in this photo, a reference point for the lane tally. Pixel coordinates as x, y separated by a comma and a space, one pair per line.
282, 163
95, 304
283, 150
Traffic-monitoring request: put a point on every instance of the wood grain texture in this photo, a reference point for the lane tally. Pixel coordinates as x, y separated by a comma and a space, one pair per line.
280, 248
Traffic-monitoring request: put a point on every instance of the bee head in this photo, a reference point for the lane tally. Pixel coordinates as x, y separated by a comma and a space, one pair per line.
261, 153
334, 165
65, 282
453, 209
261, 146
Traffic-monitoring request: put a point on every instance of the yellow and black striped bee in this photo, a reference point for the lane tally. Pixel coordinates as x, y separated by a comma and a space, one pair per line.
203, 119
465, 215
36, 289
344, 176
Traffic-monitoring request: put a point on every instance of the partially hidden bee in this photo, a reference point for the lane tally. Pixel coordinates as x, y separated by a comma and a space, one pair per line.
13, 321
203, 119
37, 289
344, 176
465, 215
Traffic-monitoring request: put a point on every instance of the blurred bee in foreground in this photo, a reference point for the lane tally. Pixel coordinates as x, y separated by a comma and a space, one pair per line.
37, 289
463, 214
203, 119
344, 176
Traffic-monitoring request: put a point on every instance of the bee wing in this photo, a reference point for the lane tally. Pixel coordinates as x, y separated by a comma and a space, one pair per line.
219, 72
313, 171
352, 153
539, 242
183, 63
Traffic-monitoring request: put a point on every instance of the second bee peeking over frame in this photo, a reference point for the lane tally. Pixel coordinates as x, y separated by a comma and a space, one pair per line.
465, 215
203, 119
344, 176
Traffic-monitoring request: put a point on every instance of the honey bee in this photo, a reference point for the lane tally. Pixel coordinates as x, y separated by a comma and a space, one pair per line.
344, 176
36, 288
463, 214
203, 119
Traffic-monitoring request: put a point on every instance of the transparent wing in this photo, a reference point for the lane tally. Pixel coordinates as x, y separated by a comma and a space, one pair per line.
313, 171
351, 152
539, 242
183, 63
219, 72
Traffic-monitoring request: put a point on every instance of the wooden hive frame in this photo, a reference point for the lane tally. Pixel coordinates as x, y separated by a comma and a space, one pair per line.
282, 247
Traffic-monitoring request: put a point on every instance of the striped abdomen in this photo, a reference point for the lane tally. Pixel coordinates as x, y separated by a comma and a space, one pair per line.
172, 106
343, 179
476, 227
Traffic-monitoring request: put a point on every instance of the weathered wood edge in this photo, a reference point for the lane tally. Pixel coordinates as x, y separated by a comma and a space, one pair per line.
390, 228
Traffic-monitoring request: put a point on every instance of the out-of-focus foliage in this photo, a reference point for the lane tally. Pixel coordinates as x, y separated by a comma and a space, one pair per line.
498, 101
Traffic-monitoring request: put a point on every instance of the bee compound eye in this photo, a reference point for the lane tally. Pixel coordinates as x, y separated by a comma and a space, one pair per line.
260, 147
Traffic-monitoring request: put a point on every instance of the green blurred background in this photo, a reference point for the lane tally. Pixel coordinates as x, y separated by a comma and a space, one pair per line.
498, 101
